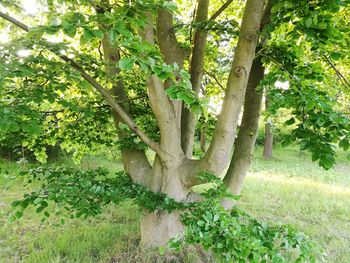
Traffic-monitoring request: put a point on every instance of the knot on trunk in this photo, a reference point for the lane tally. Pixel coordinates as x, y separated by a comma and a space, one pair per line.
251, 36
239, 71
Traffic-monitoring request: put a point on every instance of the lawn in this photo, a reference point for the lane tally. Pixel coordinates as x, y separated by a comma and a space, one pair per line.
287, 189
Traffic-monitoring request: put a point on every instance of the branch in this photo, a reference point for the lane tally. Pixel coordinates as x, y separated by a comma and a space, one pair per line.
168, 43
341, 77
108, 97
215, 78
161, 105
188, 121
218, 154
221, 9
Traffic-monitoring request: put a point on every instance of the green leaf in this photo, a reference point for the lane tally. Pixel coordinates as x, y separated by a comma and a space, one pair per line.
86, 37
290, 121
15, 203
39, 209
308, 22
18, 214
69, 29
31, 128
172, 6
336, 56
127, 63
98, 33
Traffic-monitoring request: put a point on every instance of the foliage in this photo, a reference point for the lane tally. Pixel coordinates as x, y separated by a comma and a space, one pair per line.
230, 235
306, 38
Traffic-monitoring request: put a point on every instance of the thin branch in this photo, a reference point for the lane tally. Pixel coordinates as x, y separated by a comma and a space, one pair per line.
215, 78
260, 54
341, 77
221, 9
108, 97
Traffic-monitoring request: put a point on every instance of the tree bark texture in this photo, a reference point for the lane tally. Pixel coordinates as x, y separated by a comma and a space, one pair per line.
188, 122
245, 142
248, 131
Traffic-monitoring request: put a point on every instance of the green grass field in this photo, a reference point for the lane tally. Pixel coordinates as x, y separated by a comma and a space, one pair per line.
288, 189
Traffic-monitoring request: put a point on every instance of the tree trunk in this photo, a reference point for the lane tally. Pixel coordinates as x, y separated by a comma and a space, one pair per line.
245, 142
268, 141
158, 227
248, 131
188, 121
203, 137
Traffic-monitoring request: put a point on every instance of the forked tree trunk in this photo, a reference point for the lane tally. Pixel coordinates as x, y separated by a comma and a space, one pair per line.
248, 131
268, 141
176, 174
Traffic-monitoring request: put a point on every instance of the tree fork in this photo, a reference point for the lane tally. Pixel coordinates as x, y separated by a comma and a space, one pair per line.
217, 157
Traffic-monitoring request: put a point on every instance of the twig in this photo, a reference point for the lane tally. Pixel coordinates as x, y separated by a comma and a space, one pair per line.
221, 9
214, 77
341, 77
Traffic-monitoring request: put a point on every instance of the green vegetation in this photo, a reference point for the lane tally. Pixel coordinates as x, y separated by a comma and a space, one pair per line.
288, 189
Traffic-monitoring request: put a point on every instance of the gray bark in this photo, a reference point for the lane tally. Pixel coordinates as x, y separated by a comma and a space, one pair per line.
244, 148
218, 154
188, 122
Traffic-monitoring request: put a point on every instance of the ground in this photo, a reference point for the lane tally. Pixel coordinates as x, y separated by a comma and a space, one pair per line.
287, 189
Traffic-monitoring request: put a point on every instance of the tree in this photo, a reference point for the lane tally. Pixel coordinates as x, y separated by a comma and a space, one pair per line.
127, 49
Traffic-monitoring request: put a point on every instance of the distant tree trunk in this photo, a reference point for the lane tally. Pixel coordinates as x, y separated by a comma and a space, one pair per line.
52, 152
248, 131
203, 137
268, 141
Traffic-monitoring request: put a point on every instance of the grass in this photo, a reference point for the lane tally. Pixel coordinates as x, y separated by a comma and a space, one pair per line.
287, 189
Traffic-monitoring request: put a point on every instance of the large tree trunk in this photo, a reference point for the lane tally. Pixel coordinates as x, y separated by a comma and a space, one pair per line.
248, 131
176, 174
245, 142
268, 141
158, 227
